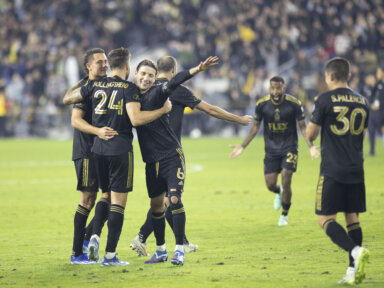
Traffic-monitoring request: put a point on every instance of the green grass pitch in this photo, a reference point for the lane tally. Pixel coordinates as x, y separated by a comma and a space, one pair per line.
229, 215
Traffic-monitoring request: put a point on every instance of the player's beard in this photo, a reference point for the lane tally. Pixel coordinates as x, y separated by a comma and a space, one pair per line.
277, 98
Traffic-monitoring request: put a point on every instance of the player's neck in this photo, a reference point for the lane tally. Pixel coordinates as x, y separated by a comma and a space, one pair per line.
338, 85
119, 72
165, 75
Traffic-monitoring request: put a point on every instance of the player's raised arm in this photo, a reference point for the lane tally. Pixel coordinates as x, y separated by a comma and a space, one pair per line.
238, 149
222, 114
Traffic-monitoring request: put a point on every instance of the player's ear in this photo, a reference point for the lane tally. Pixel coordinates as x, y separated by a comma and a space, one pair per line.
349, 76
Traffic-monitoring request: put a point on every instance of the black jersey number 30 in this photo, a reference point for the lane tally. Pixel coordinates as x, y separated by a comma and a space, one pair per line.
101, 107
348, 124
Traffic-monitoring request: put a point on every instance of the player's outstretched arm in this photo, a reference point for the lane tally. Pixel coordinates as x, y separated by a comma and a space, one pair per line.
238, 149
208, 63
222, 114
78, 122
311, 134
139, 117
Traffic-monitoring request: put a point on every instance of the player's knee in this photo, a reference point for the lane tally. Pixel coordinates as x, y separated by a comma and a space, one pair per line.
271, 186
175, 200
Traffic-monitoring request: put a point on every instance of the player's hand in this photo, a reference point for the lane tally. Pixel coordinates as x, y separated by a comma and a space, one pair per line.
245, 120
167, 106
208, 63
106, 133
237, 150
314, 151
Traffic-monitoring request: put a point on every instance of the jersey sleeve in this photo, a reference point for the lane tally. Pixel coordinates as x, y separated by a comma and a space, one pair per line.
300, 112
168, 87
132, 94
258, 115
185, 97
83, 105
85, 90
318, 113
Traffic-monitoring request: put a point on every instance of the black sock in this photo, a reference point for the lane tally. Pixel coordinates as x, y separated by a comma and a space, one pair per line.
356, 234
115, 224
178, 223
158, 224
147, 228
101, 215
88, 230
80, 221
286, 207
338, 235
169, 217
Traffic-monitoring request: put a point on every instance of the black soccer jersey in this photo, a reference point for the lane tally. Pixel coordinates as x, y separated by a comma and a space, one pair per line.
181, 98
342, 115
157, 139
280, 133
109, 97
82, 142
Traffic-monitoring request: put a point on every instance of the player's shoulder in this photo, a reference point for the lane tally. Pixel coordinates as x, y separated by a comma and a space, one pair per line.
263, 100
292, 99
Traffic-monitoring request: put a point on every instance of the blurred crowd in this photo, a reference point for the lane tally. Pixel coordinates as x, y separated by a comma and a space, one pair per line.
42, 43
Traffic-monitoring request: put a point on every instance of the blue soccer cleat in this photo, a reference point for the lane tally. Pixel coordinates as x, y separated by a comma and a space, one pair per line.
85, 246
93, 248
82, 260
158, 257
178, 258
113, 262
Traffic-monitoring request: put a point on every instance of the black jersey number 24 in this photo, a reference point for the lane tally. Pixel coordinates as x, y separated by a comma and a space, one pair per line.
348, 124
101, 108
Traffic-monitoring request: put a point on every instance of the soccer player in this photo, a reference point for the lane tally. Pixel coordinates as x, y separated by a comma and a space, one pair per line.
164, 158
342, 116
181, 98
115, 103
280, 112
378, 97
95, 65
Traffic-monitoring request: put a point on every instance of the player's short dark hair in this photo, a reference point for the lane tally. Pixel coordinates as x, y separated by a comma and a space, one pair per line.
146, 62
118, 58
166, 63
277, 79
88, 57
339, 67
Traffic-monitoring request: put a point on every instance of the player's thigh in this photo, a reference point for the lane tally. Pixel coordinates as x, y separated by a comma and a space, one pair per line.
289, 161
272, 164
121, 172
355, 198
155, 184
172, 170
102, 167
330, 196
86, 173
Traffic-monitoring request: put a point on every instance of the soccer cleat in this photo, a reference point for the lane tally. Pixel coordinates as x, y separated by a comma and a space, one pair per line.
278, 199
82, 260
139, 246
113, 262
349, 277
189, 248
360, 257
283, 220
178, 258
158, 257
85, 246
93, 248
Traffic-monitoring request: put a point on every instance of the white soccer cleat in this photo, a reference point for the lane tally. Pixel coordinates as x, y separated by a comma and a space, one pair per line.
139, 247
283, 220
349, 277
360, 256
189, 248
278, 200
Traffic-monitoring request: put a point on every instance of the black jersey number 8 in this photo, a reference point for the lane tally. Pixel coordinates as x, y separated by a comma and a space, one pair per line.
100, 107
348, 124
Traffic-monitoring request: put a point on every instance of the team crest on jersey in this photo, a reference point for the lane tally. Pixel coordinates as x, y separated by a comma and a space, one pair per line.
277, 115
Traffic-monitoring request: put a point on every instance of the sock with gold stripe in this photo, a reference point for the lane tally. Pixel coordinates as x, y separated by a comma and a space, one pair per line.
115, 224
101, 215
338, 235
356, 234
80, 221
178, 214
158, 224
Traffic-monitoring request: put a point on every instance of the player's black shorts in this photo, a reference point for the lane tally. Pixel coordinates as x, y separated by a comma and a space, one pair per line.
275, 163
115, 172
86, 174
333, 196
167, 175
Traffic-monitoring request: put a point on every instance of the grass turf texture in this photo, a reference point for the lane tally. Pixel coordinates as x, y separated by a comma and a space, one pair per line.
230, 216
